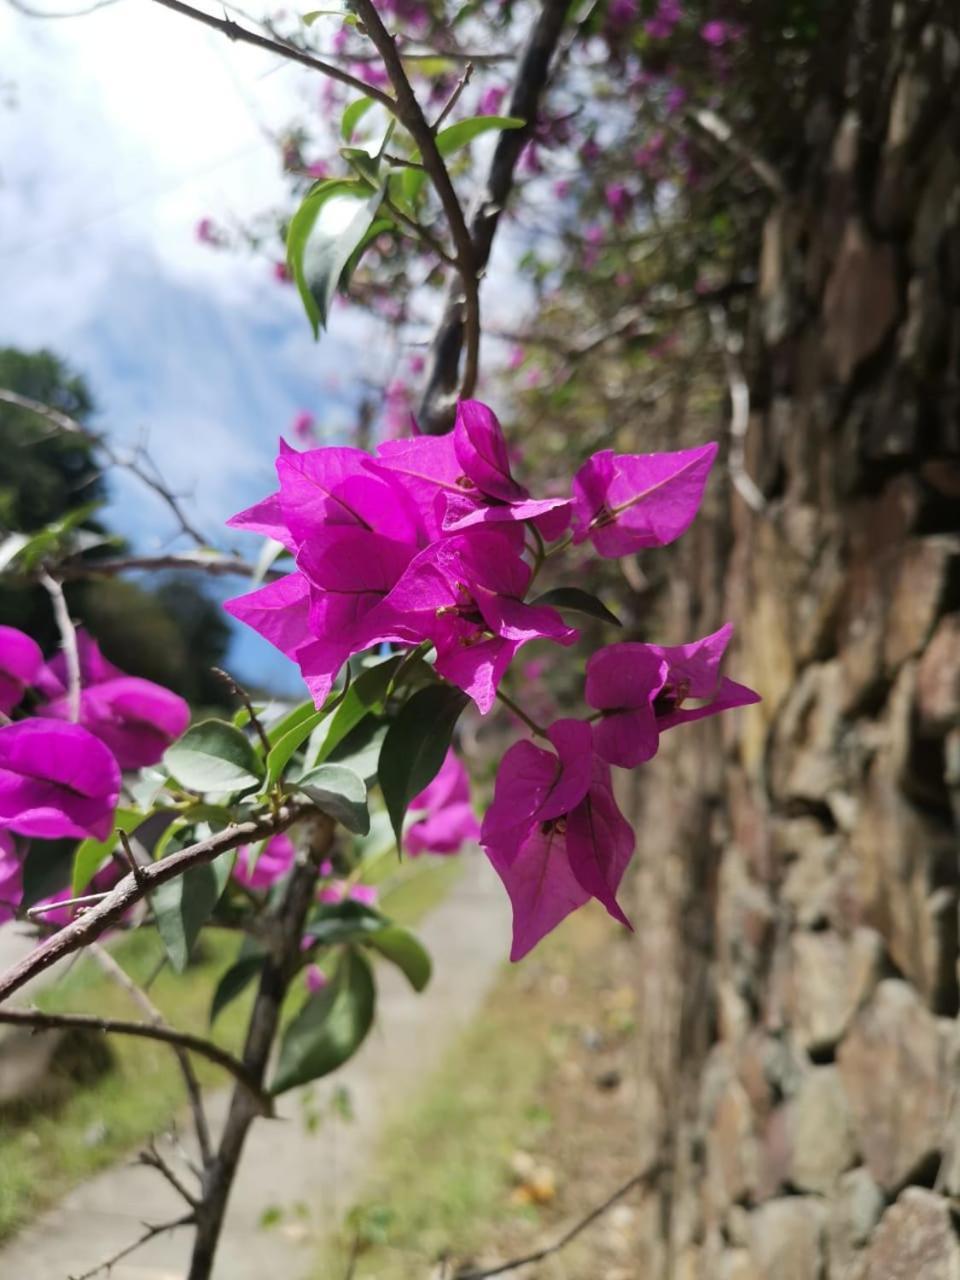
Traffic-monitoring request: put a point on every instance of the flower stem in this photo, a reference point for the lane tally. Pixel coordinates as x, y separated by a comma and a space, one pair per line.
521, 714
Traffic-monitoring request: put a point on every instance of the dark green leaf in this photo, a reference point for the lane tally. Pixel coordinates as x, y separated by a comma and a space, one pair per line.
91, 853
577, 601
360, 749
235, 981
330, 1027
214, 756
450, 140
366, 694
415, 746
46, 869
346, 921
282, 726
340, 793
405, 951
183, 906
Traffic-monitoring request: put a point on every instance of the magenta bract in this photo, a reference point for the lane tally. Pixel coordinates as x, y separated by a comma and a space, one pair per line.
275, 860
20, 663
448, 821
626, 502
56, 780
11, 882
554, 833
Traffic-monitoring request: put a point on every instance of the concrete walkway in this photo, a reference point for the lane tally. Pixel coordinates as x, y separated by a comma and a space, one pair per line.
311, 1178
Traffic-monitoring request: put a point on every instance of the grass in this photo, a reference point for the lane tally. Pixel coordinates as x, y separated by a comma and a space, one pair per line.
444, 1182
80, 1127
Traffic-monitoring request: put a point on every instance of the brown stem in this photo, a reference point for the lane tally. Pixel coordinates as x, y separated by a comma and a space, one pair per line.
437, 404
281, 48
410, 114
131, 889
41, 1021
277, 973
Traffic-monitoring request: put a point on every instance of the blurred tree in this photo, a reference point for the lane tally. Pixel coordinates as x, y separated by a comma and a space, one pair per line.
172, 633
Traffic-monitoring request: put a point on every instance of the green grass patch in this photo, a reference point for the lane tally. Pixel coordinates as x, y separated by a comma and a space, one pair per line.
443, 1178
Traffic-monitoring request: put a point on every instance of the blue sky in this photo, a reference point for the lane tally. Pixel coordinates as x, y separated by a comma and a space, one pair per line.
128, 125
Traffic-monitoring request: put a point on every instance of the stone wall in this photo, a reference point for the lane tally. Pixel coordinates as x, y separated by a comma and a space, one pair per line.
797, 912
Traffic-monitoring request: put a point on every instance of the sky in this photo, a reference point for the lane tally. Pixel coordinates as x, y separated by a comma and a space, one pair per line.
118, 131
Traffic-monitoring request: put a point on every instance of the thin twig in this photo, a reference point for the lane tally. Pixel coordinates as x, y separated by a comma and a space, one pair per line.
111, 910
521, 714
454, 98
212, 562
538, 1256
64, 422
238, 691
120, 976
130, 856
43, 1021
282, 48
739, 389
29, 12
152, 1158
150, 1232
68, 642
410, 114
41, 908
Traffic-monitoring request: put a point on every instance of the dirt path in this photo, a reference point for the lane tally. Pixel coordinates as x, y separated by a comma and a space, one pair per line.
311, 1178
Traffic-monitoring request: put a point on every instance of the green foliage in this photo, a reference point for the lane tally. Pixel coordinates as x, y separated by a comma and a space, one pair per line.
91, 854
340, 793
415, 745
182, 906
573, 600
330, 1027
236, 980
214, 756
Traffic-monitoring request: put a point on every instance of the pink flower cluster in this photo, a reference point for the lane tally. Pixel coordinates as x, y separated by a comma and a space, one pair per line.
59, 779
433, 540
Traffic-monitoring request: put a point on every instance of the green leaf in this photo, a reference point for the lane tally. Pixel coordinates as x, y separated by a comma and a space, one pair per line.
183, 906
340, 793
283, 724
405, 951
330, 1027
415, 746
450, 140
364, 696
91, 853
323, 233
360, 750
214, 756
46, 869
284, 748
235, 981
347, 921
377, 229
352, 116
576, 601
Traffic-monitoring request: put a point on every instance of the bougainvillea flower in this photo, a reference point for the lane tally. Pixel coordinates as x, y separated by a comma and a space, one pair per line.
275, 860
315, 979
642, 688
11, 878
56, 780
464, 478
20, 663
448, 821
340, 891
623, 680
136, 718
625, 502
464, 594
554, 833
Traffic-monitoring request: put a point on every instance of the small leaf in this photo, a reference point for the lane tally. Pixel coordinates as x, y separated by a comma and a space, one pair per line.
415, 747
347, 921
183, 906
340, 793
365, 695
577, 601
405, 951
283, 750
322, 235
92, 853
450, 140
330, 1027
352, 116
214, 756
235, 981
